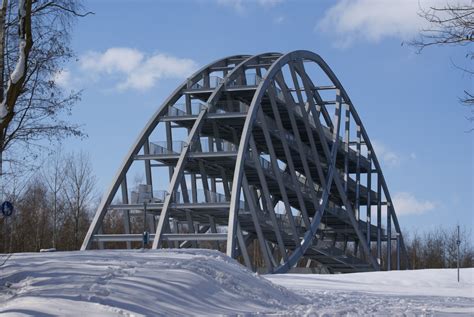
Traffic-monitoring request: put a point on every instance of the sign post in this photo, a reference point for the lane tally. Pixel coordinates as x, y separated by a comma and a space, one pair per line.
145, 232
7, 208
458, 242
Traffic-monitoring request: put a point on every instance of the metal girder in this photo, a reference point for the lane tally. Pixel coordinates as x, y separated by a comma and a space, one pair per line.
192, 137
166, 237
290, 145
267, 200
149, 127
260, 237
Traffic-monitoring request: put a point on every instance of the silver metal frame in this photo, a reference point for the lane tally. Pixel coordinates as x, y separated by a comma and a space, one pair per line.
258, 143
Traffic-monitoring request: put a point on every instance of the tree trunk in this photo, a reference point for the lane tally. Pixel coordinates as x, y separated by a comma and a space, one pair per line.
3, 14
17, 77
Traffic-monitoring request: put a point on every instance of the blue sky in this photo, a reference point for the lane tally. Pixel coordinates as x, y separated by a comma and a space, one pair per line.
132, 55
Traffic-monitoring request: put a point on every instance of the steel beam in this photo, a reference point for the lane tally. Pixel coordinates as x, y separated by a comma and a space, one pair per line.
289, 115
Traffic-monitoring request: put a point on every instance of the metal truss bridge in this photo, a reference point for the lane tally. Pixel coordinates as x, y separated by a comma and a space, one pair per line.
265, 158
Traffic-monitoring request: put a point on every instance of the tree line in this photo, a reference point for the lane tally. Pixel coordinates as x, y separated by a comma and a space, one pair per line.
437, 248
54, 207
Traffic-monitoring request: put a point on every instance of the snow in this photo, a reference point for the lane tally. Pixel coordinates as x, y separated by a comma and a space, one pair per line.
22, 8
206, 282
3, 109
100, 283
19, 70
20, 67
403, 293
48, 250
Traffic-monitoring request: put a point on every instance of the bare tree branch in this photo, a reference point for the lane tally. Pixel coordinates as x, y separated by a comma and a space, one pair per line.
452, 24
67, 9
35, 40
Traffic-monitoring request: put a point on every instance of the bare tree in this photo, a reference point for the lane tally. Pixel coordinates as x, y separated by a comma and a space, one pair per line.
79, 191
434, 249
34, 44
18, 186
437, 248
53, 175
414, 249
451, 24
53, 206
30, 227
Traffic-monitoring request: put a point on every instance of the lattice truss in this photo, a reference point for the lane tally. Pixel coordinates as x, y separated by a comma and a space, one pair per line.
265, 158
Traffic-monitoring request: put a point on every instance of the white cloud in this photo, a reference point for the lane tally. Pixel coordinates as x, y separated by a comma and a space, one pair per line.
62, 78
114, 59
387, 156
279, 20
158, 66
269, 3
237, 5
240, 5
372, 20
135, 69
406, 203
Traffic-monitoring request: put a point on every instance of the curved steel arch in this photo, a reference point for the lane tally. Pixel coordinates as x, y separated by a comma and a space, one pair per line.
193, 134
151, 124
265, 133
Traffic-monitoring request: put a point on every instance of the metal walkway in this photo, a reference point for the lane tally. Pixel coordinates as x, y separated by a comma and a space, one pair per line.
265, 158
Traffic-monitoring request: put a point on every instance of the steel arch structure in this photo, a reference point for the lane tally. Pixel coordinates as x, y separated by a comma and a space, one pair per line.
275, 168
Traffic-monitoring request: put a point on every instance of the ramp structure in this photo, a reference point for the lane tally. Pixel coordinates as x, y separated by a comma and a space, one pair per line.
265, 158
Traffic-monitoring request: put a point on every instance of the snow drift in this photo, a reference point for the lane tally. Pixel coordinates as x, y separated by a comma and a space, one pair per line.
205, 282
133, 282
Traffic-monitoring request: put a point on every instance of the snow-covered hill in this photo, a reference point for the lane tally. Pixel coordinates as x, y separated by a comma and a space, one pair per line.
205, 282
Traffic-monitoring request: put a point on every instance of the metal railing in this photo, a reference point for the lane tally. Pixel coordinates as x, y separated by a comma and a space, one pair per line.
279, 94
144, 193
248, 80
162, 147
207, 145
180, 109
233, 106
201, 196
302, 181
159, 195
284, 223
214, 81
298, 110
